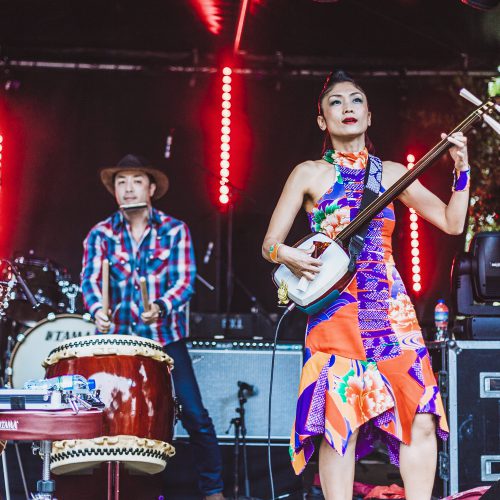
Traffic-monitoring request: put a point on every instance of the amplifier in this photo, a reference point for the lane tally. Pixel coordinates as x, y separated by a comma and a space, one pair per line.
477, 328
220, 365
230, 326
474, 413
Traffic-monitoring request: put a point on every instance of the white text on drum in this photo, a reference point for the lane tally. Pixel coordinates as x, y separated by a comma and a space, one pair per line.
59, 335
9, 425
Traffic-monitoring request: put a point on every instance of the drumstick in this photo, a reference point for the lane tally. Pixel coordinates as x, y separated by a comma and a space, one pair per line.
105, 286
144, 293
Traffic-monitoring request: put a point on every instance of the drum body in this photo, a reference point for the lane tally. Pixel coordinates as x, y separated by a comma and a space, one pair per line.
36, 343
133, 377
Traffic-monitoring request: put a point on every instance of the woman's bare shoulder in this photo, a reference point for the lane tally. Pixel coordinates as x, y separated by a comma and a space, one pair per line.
309, 168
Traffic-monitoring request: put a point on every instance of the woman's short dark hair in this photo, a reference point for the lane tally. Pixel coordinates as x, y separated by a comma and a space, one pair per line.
339, 76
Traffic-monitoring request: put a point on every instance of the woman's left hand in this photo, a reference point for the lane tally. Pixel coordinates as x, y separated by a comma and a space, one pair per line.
459, 150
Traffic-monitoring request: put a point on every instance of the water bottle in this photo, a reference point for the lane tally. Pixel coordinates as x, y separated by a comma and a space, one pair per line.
64, 383
441, 314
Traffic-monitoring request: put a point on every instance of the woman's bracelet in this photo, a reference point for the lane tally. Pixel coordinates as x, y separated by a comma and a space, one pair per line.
273, 252
461, 180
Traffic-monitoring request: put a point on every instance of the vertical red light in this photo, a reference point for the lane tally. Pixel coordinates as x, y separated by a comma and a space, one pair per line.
414, 239
1, 159
225, 137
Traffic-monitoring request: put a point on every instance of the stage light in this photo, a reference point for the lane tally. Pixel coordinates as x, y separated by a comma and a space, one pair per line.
414, 235
481, 4
225, 137
1, 147
210, 13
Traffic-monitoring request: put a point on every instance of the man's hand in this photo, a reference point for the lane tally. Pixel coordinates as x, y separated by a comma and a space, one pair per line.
152, 315
102, 321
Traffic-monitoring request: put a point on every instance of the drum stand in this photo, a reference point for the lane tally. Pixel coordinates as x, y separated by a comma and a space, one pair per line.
45, 487
113, 480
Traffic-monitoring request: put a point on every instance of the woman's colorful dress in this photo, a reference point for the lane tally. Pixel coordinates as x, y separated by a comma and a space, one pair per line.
366, 365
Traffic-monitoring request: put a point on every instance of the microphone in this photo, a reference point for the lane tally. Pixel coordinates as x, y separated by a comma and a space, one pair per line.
168, 143
208, 253
251, 390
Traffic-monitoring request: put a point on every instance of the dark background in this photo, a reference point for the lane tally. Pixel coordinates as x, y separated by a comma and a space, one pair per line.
61, 125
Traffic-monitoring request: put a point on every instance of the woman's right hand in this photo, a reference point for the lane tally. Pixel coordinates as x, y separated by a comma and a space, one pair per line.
299, 261
102, 321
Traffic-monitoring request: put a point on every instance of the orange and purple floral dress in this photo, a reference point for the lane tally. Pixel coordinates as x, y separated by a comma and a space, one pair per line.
366, 366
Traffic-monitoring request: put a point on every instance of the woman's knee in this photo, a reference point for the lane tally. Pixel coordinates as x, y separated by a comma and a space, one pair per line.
424, 426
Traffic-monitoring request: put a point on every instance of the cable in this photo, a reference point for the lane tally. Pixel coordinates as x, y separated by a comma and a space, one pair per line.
290, 308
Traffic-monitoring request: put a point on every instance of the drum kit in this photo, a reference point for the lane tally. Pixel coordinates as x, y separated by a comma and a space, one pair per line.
46, 334
40, 306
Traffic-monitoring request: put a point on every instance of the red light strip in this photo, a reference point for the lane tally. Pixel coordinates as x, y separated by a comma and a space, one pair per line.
210, 13
225, 136
1, 158
414, 235
241, 23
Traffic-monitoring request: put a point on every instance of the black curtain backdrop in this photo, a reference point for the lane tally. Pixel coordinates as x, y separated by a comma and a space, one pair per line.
60, 128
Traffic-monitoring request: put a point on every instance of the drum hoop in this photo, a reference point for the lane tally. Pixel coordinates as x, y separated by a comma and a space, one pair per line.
95, 345
36, 325
105, 446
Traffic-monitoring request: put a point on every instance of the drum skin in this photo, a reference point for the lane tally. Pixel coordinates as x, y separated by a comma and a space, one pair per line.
136, 390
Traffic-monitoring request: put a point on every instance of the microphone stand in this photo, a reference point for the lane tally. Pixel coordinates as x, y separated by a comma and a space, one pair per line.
240, 433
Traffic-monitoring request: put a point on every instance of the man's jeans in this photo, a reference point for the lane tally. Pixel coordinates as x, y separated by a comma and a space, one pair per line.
196, 421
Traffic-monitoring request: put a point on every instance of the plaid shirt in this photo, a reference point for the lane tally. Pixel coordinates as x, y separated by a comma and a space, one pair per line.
164, 256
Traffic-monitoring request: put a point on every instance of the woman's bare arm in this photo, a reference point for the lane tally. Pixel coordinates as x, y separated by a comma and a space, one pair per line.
291, 200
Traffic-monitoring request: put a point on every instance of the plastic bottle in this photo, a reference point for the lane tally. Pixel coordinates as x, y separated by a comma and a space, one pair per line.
63, 383
441, 314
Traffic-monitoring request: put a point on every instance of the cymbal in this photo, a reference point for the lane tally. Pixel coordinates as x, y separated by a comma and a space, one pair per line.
22, 312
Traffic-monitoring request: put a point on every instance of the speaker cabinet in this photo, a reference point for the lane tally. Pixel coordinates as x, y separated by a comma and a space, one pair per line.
220, 365
474, 411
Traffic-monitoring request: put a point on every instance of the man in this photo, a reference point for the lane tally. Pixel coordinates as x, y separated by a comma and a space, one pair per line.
139, 240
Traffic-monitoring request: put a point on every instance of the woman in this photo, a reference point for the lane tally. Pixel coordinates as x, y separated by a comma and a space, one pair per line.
367, 375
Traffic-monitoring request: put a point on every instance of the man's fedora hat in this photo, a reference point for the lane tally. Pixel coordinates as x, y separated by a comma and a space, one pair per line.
133, 162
